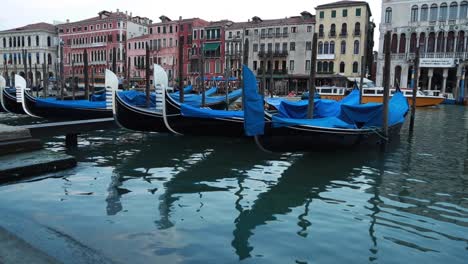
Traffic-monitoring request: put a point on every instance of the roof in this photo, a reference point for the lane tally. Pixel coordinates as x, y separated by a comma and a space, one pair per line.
345, 3
33, 27
109, 16
295, 20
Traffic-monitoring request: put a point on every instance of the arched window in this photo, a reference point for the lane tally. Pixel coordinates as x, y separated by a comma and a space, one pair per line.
37, 40
344, 29
450, 42
422, 42
388, 15
325, 66
431, 42
440, 42
357, 29
397, 75
343, 47
453, 11
320, 47
355, 67
414, 13
332, 47
4, 42
319, 66
321, 31
463, 9
48, 41
461, 41
433, 13
356, 47
333, 30
413, 42
394, 46
49, 59
443, 12
330, 67
402, 48
342, 67
325, 48
424, 12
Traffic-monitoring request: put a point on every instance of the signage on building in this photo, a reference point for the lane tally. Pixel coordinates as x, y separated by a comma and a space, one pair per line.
436, 63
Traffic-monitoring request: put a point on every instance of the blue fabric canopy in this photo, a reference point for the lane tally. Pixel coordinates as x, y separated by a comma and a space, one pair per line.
54, 103
187, 90
190, 111
98, 97
328, 122
253, 109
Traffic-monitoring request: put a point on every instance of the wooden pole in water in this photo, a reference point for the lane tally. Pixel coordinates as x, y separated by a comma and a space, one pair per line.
364, 57
386, 82
36, 83
25, 63
226, 88
270, 87
244, 60
415, 89
128, 74
86, 76
181, 69
202, 72
148, 73
93, 80
62, 72
114, 60
72, 83
313, 62
45, 80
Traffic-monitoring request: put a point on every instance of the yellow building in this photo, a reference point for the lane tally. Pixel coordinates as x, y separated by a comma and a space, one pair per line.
341, 28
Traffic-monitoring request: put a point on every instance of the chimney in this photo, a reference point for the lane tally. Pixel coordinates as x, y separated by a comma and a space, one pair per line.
68, 20
180, 17
118, 11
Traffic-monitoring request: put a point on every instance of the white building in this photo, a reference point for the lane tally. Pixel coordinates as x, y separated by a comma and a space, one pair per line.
40, 42
282, 48
439, 28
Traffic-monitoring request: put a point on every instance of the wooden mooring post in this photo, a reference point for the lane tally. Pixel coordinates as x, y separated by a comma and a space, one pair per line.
386, 83
313, 62
414, 83
148, 73
181, 69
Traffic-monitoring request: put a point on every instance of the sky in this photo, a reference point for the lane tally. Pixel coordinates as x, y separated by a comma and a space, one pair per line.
20, 13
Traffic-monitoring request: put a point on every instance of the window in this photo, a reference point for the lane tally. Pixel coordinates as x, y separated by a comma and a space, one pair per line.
424, 13
344, 29
255, 47
355, 67
463, 9
325, 48
433, 12
255, 65
325, 66
388, 15
330, 67
342, 67
345, 12
319, 66
356, 47
307, 65
29, 42
291, 65
332, 47
37, 40
443, 12
320, 31
414, 13
309, 28
285, 47
293, 30
358, 12
322, 14
453, 11
357, 29
333, 13
343, 47
292, 46
49, 41
308, 45
320, 47
333, 30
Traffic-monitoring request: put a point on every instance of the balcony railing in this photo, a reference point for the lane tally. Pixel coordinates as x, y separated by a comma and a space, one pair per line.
343, 34
332, 34
272, 71
89, 45
234, 53
321, 34
276, 54
429, 55
285, 35
357, 33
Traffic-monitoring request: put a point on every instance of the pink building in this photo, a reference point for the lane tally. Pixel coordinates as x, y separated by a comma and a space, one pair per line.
162, 41
100, 36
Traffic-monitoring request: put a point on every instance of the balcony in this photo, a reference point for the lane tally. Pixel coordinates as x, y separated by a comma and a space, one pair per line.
429, 55
89, 45
357, 33
325, 56
343, 34
321, 34
276, 54
271, 71
285, 35
234, 54
280, 71
332, 34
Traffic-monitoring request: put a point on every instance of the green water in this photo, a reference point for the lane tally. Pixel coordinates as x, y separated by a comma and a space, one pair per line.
148, 198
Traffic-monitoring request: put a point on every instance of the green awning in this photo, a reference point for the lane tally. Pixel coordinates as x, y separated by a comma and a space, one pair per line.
212, 46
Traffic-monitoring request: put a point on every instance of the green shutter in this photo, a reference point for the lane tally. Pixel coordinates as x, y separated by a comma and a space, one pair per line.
333, 14
358, 12
322, 14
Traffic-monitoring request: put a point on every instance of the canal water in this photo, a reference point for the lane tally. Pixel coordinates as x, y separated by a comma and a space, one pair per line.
149, 198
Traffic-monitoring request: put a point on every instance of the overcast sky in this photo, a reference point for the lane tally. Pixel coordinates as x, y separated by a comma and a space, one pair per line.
17, 13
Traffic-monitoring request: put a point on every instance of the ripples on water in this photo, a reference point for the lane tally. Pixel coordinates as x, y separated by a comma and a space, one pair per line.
140, 198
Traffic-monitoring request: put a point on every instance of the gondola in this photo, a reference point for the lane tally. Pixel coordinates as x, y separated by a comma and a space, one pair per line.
141, 118
54, 109
8, 100
352, 126
2, 86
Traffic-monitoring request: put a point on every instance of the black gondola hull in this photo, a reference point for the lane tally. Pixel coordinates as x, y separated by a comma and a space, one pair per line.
138, 119
306, 139
11, 105
56, 113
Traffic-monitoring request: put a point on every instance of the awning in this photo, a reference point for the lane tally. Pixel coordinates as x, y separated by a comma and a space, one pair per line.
212, 46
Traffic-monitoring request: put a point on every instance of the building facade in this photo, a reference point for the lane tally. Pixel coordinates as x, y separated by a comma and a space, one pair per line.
40, 42
279, 50
162, 41
99, 36
439, 28
345, 36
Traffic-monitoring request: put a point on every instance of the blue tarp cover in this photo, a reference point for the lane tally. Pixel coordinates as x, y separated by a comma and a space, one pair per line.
190, 111
54, 103
328, 122
98, 97
253, 109
187, 90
